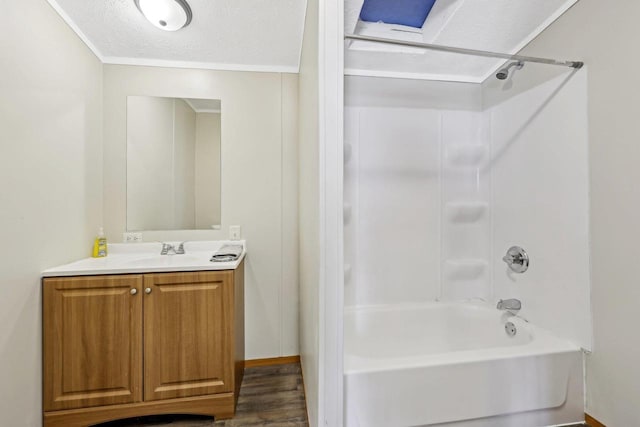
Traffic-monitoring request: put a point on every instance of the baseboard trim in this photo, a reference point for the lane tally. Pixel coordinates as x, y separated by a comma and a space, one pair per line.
592, 422
271, 361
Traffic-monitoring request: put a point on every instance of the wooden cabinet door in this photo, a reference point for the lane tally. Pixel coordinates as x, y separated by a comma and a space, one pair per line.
188, 344
92, 341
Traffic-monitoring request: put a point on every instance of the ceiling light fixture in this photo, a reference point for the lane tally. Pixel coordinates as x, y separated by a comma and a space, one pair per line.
168, 15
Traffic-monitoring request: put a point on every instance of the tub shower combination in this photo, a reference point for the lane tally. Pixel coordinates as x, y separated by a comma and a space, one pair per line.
459, 364
428, 341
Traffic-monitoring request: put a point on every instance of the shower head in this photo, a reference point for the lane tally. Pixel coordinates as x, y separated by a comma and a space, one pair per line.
503, 73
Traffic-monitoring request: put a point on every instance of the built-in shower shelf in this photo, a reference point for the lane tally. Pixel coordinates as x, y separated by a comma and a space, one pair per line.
347, 272
347, 152
346, 213
465, 269
466, 155
466, 212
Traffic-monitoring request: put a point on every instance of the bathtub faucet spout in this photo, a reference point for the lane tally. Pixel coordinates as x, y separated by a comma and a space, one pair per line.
511, 305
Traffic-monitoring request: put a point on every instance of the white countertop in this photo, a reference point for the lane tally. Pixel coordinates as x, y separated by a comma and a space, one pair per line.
124, 258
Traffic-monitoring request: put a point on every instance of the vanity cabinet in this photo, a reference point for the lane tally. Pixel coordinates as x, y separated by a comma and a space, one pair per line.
186, 339
118, 346
92, 329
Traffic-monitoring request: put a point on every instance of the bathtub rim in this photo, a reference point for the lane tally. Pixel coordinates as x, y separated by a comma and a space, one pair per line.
542, 343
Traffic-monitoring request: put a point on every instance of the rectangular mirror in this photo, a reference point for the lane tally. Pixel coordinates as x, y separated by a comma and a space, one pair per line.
173, 163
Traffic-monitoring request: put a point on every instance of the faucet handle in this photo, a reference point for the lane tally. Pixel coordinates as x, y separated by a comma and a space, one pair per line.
180, 250
517, 259
166, 247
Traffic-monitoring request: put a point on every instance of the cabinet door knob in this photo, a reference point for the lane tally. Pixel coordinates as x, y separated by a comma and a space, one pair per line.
133, 291
147, 290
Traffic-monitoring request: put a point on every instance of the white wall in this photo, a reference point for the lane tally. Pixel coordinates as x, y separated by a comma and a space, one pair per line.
407, 183
207, 170
258, 175
540, 201
392, 205
603, 35
309, 212
150, 126
50, 183
184, 165
417, 222
435, 196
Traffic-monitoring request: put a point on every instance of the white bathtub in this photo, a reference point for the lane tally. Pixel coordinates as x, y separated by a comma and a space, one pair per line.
454, 363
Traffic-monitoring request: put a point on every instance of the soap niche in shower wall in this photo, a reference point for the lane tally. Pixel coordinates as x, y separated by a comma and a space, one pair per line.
466, 212
348, 152
465, 269
350, 202
346, 209
470, 155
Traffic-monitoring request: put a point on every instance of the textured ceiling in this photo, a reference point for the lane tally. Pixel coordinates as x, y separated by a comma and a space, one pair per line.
252, 35
494, 25
266, 35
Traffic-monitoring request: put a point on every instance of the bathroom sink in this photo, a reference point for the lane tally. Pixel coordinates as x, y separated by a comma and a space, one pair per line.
163, 260
126, 258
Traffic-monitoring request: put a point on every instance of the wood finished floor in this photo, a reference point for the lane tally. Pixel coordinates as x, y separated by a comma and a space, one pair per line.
270, 396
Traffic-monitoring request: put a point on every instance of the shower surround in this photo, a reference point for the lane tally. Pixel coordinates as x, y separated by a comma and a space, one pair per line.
440, 180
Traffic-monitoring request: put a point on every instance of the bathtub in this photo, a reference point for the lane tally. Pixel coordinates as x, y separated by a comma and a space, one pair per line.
454, 363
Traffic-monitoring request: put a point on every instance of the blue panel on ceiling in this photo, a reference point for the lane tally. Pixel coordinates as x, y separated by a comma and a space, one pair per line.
411, 13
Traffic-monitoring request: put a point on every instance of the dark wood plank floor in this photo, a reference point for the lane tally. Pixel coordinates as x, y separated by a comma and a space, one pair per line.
270, 396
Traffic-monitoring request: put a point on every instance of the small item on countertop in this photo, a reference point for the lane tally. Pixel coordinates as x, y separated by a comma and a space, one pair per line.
100, 245
227, 253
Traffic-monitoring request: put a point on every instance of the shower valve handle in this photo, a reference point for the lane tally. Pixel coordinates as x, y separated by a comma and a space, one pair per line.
517, 259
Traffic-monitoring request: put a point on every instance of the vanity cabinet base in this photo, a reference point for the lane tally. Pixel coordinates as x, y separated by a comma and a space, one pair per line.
221, 406
131, 345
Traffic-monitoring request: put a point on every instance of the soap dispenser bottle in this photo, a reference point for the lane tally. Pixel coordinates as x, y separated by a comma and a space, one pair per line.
100, 245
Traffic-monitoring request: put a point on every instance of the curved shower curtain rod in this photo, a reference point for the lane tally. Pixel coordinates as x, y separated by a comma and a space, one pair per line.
463, 51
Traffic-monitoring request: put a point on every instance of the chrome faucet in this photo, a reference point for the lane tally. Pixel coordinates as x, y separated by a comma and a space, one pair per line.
517, 259
169, 249
510, 305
